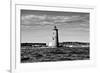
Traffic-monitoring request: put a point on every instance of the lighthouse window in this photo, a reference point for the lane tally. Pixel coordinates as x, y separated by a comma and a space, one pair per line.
53, 38
53, 33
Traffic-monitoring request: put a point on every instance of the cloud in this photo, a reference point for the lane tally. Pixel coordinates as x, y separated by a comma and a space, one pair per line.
32, 20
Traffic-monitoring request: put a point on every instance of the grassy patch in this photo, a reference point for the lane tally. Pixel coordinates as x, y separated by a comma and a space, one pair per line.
30, 54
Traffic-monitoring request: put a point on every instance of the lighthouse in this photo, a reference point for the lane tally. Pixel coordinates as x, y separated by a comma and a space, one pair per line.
55, 38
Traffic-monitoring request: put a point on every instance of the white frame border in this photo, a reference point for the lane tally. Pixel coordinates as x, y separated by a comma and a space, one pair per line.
13, 30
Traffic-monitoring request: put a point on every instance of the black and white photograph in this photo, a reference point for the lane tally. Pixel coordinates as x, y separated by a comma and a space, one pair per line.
54, 36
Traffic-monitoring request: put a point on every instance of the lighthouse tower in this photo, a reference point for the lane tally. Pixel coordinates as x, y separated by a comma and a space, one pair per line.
55, 39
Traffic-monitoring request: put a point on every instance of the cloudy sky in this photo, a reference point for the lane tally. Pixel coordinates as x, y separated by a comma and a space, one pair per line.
36, 26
